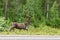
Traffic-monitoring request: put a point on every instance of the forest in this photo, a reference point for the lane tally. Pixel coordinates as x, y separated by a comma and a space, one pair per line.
39, 17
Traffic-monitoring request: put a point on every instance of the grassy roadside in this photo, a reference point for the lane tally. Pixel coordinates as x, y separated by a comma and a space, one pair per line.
42, 30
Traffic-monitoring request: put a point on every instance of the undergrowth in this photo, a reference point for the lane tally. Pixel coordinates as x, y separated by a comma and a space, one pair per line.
41, 30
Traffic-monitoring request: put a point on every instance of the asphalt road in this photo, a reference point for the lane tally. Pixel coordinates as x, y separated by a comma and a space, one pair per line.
29, 37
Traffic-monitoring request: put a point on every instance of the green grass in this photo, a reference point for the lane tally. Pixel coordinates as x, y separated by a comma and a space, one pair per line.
42, 30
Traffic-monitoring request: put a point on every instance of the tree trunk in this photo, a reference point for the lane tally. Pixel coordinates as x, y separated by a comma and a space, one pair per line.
58, 1
47, 13
45, 5
6, 7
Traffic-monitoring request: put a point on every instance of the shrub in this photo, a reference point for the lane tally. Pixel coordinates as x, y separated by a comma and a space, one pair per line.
57, 23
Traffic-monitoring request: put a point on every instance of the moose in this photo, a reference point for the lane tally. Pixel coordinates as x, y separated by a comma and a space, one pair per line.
21, 25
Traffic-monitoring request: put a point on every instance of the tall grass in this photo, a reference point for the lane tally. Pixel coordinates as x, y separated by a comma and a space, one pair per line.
41, 30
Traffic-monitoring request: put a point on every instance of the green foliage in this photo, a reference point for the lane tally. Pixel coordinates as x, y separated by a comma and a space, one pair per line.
2, 22
57, 22
43, 30
53, 15
4, 25
18, 9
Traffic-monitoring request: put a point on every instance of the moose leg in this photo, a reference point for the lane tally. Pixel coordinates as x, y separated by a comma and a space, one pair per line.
12, 28
26, 29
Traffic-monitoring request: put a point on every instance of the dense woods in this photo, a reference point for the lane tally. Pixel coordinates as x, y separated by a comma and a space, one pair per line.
45, 15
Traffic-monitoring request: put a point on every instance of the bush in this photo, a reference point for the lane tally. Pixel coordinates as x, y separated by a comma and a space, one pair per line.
57, 24
4, 24
1, 21
50, 22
